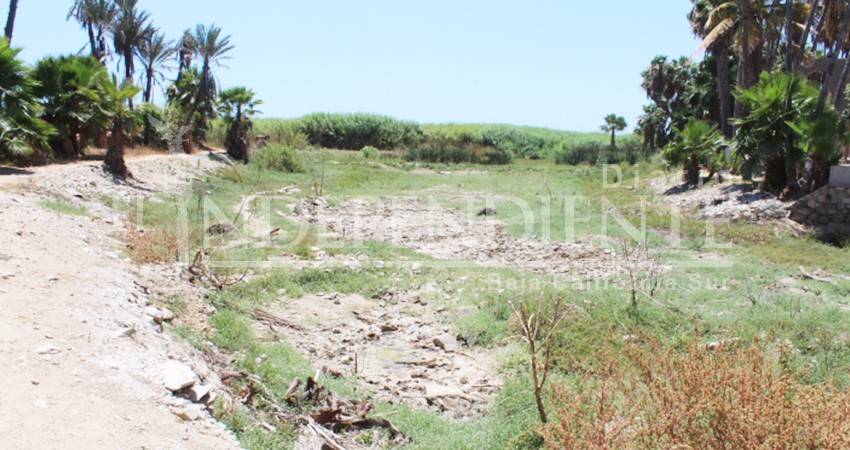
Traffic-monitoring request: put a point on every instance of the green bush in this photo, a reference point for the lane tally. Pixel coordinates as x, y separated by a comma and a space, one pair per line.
630, 151
279, 158
451, 154
370, 152
355, 131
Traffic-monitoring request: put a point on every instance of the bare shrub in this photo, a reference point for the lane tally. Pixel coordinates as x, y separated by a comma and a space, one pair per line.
152, 246
727, 398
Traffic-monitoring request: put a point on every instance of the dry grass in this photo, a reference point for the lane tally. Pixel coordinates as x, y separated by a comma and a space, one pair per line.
151, 246
725, 398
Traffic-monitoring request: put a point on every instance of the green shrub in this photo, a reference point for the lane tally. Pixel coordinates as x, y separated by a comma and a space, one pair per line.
354, 131
279, 158
590, 152
451, 154
370, 152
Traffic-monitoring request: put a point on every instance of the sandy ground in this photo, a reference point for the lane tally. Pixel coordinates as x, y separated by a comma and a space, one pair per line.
82, 362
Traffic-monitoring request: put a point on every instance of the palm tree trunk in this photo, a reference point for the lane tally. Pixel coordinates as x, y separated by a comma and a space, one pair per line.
10, 20
833, 60
128, 72
613, 139
92, 41
809, 23
148, 84
744, 57
724, 90
114, 161
202, 89
789, 35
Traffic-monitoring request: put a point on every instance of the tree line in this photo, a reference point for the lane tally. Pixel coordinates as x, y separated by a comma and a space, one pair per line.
771, 91
61, 105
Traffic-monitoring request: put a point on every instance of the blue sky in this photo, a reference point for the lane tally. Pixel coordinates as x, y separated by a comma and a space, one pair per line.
559, 64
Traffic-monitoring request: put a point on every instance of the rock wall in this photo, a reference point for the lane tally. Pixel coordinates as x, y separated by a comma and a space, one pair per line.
828, 206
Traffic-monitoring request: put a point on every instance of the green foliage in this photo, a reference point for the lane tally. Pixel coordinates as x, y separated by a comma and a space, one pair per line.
21, 130
370, 152
455, 155
680, 90
237, 106
279, 158
591, 152
697, 143
782, 112
71, 89
355, 131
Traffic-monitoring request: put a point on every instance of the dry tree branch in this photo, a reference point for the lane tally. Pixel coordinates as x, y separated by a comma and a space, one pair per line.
532, 324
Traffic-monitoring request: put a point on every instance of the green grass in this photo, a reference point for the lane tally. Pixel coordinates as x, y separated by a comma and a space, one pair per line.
65, 207
759, 294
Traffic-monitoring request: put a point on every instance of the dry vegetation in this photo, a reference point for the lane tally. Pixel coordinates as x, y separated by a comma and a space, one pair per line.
720, 396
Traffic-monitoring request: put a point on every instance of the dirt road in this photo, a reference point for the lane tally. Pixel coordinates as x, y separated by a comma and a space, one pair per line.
82, 363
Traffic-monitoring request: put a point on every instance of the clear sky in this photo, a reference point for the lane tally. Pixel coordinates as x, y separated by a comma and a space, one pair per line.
555, 63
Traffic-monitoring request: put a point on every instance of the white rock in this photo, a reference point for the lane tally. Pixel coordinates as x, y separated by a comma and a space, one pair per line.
177, 376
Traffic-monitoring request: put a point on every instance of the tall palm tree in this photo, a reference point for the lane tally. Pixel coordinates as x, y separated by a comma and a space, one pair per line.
129, 31
185, 51
838, 43
95, 16
813, 11
211, 48
10, 20
717, 32
153, 52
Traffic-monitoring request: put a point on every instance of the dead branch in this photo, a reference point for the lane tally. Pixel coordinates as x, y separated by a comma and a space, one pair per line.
271, 319
814, 277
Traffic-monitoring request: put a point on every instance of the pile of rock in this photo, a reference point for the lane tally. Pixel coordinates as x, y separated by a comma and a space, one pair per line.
182, 382
828, 206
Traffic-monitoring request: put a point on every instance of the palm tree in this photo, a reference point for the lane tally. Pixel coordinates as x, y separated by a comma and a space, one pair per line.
708, 23
22, 131
129, 31
698, 143
153, 52
833, 61
185, 51
613, 124
117, 94
10, 20
211, 48
238, 105
95, 16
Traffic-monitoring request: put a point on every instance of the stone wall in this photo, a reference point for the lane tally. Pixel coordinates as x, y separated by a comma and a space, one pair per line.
828, 206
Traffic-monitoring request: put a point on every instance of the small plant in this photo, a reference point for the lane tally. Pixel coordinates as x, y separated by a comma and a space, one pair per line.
316, 169
278, 158
370, 152
698, 143
533, 327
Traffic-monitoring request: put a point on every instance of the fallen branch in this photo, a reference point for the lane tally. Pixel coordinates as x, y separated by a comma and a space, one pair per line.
269, 318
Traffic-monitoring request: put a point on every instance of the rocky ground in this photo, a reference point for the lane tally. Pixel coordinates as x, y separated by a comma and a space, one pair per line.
84, 361
452, 235
734, 201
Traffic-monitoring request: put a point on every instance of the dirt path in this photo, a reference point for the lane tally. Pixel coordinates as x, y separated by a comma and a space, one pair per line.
83, 364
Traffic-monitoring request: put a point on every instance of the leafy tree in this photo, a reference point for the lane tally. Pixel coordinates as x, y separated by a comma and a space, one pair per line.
95, 16
696, 144
782, 109
130, 29
211, 48
238, 105
116, 96
613, 124
71, 91
153, 51
22, 131
10, 19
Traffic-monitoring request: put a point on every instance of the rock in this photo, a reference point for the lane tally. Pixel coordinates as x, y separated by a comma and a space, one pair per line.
487, 212
178, 376
388, 328
221, 228
48, 350
446, 342
197, 393
189, 413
